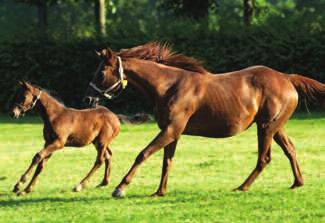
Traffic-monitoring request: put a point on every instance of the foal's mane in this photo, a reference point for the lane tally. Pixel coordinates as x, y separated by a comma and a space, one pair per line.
163, 53
51, 93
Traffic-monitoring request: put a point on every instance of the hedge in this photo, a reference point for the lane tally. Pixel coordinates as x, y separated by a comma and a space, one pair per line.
66, 68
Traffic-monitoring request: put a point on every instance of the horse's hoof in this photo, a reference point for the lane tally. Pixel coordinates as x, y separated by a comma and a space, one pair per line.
296, 185
118, 193
77, 188
157, 194
240, 189
102, 184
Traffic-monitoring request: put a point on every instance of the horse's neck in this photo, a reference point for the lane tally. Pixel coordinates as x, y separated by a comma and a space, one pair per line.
148, 77
49, 108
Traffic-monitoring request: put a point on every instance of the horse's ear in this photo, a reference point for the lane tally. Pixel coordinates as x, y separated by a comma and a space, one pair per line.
97, 53
109, 56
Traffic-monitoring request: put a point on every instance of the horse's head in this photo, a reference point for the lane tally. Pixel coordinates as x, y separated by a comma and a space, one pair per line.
108, 79
25, 99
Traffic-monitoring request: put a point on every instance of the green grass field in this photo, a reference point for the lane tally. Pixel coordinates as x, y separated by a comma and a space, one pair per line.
203, 175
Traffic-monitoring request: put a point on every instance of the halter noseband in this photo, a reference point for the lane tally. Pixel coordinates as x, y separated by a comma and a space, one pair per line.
122, 82
33, 104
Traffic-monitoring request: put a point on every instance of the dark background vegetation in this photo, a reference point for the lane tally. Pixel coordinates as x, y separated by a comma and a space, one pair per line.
51, 43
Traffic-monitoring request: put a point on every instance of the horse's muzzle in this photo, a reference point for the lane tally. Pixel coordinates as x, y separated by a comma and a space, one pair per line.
91, 101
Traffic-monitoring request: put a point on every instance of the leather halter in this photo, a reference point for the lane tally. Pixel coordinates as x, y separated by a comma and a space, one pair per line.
121, 82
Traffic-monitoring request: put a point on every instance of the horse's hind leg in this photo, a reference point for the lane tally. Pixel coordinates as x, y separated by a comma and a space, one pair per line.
264, 157
108, 168
34, 179
99, 161
288, 148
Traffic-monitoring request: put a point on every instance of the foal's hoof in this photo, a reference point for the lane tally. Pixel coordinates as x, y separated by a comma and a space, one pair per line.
21, 193
77, 188
16, 189
118, 193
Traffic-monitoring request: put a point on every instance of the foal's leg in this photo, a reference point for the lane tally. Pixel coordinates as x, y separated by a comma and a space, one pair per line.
99, 161
49, 149
169, 152
38, 170
264, 157
288, 148
108, 168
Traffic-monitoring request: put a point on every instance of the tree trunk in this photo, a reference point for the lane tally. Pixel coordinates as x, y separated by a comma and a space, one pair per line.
42, 16
100, 17
248, 11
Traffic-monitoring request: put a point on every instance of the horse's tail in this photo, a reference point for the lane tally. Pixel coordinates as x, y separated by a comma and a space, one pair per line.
312, 90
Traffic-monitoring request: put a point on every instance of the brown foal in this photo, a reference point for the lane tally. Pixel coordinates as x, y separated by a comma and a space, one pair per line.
66, 127
190, 100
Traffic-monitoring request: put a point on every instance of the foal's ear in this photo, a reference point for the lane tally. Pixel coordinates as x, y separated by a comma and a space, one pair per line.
23, 84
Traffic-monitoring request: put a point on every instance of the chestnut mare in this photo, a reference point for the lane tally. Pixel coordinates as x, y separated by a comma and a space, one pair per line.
66, 127
189, 100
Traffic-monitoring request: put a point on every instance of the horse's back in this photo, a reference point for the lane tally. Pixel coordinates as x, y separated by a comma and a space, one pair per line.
233, 101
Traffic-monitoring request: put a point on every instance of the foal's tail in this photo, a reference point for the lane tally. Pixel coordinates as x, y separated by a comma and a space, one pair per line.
312, 90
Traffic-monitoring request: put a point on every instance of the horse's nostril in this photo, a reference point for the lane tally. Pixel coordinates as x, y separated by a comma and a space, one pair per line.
87, 100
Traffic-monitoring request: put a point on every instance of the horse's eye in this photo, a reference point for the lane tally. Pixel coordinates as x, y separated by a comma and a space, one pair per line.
102, 76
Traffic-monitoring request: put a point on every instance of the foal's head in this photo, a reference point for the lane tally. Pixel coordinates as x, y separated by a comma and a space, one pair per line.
109, 78
25, 99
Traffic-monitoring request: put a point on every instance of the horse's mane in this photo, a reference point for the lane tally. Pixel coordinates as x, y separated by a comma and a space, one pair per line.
163, 53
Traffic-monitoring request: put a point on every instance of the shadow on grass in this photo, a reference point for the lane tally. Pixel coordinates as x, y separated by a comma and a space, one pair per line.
24, 201
31, 201
2, 178
145, 199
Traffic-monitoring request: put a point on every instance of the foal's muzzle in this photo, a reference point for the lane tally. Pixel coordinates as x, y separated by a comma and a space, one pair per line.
16, 113
91, 101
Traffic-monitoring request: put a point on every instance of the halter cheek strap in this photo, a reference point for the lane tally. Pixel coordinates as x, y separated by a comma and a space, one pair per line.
24, 110
36, 100
121, 82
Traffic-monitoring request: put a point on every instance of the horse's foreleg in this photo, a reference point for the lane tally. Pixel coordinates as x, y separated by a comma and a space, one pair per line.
99, 161
287, 146
49, 149
108, 168
165, 137
264, 158
169, 152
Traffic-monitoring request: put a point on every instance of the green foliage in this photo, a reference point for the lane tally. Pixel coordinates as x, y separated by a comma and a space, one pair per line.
286, 35
199, 186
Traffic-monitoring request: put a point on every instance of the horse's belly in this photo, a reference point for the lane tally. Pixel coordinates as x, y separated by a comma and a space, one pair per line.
217, 127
